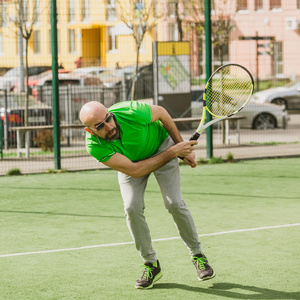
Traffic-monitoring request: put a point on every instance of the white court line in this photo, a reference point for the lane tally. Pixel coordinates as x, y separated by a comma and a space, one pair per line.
155, 240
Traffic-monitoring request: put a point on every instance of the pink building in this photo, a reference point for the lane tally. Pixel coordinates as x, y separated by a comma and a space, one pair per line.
267, 18
278, 19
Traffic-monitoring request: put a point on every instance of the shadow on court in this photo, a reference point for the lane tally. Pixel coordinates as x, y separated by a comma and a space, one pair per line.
151, 191
233, 291
59, 214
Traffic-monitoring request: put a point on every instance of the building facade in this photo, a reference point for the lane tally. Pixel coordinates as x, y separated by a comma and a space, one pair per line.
94, 31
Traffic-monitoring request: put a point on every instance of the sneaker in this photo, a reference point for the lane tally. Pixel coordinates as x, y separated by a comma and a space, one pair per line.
150, 275
204, 270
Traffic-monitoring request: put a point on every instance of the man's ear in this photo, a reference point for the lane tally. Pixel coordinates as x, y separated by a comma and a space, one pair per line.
88, 130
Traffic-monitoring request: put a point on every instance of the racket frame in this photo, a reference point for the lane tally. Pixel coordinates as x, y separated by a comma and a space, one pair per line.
203, 126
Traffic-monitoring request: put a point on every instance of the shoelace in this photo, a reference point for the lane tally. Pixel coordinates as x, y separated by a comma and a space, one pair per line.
147, 273
200, 262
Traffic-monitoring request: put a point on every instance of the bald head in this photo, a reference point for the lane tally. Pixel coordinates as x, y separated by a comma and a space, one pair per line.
92, 112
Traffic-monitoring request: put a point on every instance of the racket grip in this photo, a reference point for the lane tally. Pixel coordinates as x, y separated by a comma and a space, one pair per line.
195, 136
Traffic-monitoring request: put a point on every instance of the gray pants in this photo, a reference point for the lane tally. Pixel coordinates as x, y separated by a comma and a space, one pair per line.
133, 189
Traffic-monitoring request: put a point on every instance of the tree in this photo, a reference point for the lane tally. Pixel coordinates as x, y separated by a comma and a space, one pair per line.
221, 25
139, 16
21, 17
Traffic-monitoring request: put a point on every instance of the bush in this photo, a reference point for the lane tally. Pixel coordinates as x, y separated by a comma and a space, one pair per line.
44, 139
215, 160
230, 157
14, 172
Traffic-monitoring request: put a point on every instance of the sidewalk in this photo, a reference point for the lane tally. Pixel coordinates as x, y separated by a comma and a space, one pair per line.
86, 162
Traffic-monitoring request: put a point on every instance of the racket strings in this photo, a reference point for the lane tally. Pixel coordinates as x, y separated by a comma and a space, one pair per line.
228, 90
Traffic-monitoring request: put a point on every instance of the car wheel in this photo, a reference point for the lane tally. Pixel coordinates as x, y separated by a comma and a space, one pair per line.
280, 102
264, 121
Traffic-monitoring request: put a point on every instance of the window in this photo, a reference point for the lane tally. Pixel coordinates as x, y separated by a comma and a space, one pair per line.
278, 61
3, 18
274, 4
71, 10
1, 44
72, 47
174, 32
139, 5
85, 10
111, 10
258, 4
220, 52
112, 40
37, 10
36, 42
24, 10
172, 8
242, 4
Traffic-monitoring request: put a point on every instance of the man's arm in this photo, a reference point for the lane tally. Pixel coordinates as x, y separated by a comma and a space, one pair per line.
159, 113
144, 167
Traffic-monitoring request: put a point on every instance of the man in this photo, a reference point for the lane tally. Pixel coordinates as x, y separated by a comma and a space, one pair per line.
138, 139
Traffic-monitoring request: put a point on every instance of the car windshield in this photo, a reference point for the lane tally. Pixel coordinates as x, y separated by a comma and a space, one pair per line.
12, 72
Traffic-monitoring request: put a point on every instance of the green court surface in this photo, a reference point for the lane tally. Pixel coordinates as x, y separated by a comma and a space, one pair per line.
64, 236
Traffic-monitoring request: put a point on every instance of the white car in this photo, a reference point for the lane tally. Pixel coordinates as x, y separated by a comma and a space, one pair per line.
12, 77
288, 96
90, 70
257, 115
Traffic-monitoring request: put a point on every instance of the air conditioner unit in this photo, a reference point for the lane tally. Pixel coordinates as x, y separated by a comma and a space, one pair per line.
292, 23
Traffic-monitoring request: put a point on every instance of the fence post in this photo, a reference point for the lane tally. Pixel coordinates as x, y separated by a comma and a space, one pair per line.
1, 138
208, 55
55, 91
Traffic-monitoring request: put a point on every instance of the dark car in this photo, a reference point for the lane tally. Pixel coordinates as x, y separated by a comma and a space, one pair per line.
38, 114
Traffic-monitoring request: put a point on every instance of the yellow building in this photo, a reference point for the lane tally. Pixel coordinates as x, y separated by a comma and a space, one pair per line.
86, 28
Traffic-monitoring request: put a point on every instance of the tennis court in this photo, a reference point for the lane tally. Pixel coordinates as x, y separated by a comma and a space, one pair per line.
64, 236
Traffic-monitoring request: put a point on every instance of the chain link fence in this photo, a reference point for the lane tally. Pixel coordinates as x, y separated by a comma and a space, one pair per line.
96, 56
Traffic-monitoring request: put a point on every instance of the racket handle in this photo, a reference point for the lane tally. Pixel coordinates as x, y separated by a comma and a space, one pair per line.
194, 137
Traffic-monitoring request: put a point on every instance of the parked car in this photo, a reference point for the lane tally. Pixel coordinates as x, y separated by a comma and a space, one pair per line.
143, 82
12, 77
288, 96
257, 115
90, 70
65, 79
38, 113
112, 78
35, 79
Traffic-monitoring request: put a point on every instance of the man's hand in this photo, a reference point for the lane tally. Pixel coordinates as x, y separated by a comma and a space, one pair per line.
190, 160
184, 149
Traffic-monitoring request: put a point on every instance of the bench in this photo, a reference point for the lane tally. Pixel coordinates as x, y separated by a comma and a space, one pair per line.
26, 130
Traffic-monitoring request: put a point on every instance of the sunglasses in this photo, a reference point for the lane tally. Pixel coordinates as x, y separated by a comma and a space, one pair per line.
107, 120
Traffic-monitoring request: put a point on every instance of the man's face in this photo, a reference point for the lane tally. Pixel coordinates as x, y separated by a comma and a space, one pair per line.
106, 128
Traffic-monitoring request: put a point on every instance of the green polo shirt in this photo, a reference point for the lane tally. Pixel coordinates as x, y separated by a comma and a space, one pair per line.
139, 138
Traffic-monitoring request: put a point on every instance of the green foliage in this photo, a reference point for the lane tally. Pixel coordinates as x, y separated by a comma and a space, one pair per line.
14, 172
52, 171
215, 160
229, 157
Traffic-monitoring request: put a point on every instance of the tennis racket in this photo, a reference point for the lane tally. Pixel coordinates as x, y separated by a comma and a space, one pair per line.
227, 91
